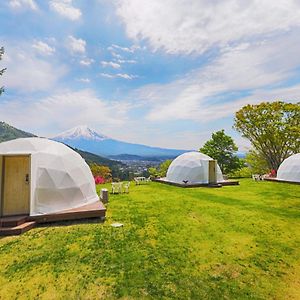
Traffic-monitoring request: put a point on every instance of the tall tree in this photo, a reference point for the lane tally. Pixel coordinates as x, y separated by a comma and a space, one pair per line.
272, 128
2, 70
256, 163
222, 148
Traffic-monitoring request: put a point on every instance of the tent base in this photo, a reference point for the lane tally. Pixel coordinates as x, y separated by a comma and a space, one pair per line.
16, 225
279, 180
215, 185
93, 210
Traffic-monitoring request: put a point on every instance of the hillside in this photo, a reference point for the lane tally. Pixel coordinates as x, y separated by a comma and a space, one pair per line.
8, 132
93, 158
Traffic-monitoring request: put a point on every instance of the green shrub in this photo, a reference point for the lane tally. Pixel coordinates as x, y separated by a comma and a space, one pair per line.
245, 172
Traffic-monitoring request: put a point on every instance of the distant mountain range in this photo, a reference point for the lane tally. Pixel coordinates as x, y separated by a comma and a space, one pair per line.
8, 132
82, 137
129, 157
97, 159
93, 146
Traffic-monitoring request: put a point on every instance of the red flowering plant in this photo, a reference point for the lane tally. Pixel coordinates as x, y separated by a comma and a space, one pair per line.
99, 180
273, 173
102, 174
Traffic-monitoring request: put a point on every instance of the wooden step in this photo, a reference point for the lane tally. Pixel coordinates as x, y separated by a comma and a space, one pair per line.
13, 221
215, 185
16, 230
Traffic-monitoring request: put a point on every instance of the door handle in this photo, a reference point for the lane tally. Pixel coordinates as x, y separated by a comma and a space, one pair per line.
27, 178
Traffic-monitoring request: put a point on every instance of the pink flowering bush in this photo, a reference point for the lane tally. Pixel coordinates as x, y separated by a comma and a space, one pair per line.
99, 180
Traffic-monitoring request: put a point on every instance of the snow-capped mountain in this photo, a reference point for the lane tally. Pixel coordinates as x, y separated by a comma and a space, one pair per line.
84, 138
82, 131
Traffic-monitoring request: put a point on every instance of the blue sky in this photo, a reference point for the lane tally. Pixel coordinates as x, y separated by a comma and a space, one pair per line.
163, 73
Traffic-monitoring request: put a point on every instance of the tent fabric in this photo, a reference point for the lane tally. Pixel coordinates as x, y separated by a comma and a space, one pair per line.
191, 167
289, 169
60, 178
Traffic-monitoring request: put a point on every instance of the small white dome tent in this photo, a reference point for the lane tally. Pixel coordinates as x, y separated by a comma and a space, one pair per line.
41, 176
194, 168
289, 169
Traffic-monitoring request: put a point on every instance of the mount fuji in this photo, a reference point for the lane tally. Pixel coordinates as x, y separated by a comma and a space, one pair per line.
84, 138
81, 132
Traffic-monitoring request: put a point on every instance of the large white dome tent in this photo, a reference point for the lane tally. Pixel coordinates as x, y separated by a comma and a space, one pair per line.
194, 168
41, 176
289, 169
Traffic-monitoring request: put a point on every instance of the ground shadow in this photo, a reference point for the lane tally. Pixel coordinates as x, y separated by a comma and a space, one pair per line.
71, 222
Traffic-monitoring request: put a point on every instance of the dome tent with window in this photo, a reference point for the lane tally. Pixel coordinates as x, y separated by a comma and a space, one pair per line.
194, 168
41, 176
289, 169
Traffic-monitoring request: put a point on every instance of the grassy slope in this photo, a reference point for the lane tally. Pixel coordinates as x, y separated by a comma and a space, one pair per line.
230, 243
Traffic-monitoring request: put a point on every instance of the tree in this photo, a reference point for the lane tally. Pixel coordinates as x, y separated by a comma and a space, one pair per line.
3, 70
153, 172
222, 148
256, 163
272, 128
162, 169
102, 171
244, 172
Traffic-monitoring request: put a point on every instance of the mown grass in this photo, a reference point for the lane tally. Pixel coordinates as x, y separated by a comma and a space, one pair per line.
239, 242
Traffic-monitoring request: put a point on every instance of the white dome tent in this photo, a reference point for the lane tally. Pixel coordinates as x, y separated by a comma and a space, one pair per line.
193, 168
40, 177
289, 169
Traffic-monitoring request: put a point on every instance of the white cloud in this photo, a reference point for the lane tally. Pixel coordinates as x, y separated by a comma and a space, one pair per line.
186, 26
223, 110
19, 4
58, 111
126, 76
65, 9
76, 46
110, 64
130, 49
106, 75
208, 93
118, 58
119, 75
84, 80
86, 61
116, 55
43, 48
127, 61
27, 72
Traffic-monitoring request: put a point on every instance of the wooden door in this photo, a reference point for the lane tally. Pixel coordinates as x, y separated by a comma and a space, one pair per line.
16, 185
212, 171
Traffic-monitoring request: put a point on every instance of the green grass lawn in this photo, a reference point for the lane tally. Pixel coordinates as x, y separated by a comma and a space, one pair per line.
239, 242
